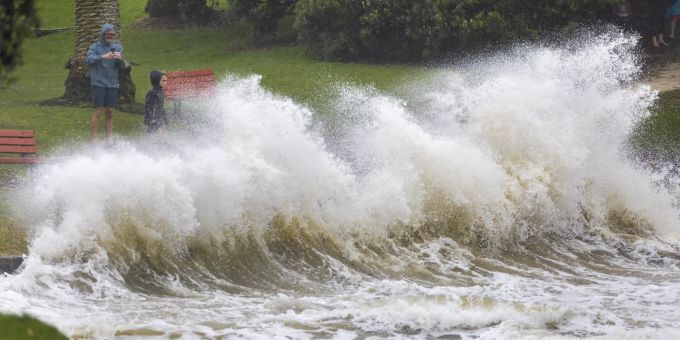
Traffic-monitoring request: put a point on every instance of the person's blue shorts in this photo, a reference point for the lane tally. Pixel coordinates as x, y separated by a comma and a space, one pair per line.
104, 97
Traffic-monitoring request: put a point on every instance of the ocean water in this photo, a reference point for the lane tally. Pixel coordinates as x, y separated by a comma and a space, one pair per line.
495, 199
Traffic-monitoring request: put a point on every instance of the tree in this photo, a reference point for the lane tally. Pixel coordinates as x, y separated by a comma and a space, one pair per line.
416, 30
263, 15
90, 16
182, 9
17, 18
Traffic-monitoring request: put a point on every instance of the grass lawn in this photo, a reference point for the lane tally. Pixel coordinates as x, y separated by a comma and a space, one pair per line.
26, 327
662, 130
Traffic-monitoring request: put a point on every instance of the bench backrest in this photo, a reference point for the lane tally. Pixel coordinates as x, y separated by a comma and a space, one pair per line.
20, 142
188, 84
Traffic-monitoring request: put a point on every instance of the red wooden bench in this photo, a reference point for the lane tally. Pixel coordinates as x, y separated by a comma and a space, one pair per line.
188, 84
21, 143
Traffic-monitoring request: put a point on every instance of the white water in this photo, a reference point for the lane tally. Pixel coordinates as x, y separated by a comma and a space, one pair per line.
492, 199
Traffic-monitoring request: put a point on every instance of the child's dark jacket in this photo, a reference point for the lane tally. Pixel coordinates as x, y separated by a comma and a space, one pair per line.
154, 111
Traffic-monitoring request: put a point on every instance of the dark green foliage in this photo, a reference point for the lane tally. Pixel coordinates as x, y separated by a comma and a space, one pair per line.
182, 9
329, 28
263, 15
411, 30
17, 19
394, 30
26, 327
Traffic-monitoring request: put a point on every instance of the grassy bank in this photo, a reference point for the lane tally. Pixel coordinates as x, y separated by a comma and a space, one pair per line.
662, 130
25, 327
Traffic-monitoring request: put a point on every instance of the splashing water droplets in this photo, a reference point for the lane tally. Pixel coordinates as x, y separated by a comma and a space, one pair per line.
479, 188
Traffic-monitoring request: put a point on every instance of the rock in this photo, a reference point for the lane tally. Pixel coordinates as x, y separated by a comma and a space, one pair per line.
9, 264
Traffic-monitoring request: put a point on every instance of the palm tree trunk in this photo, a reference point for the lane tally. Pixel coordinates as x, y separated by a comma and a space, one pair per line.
90, 16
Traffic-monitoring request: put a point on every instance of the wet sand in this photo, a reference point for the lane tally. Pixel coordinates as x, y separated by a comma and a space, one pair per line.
665, 77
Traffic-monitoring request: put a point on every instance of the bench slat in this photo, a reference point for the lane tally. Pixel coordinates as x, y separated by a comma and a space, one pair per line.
191, 86
192, 80
21, 143
191, 73
185, 94
20, 160
198, 88
17, 133
17, 141
18, 148
188, 84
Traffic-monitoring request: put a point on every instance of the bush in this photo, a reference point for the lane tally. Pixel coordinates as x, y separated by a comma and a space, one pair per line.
263, 15
329, 29
412, 30
394, 30
183, 9
17, 18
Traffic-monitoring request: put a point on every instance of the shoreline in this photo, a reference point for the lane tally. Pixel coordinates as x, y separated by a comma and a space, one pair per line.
662, 67
664, 77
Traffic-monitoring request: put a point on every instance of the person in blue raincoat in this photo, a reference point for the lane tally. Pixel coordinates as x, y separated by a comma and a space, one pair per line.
105, 58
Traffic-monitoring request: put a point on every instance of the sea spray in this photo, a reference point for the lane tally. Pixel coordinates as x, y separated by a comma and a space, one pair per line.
490, 200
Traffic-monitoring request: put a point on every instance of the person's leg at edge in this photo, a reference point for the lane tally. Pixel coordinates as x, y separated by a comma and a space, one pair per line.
97, 104
109, 122
95, 123
673, 22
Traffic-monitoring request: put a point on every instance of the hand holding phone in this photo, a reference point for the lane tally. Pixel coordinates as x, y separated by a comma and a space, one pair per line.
113, 54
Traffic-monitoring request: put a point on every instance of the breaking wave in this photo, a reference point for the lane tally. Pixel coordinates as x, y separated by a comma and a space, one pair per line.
492, 199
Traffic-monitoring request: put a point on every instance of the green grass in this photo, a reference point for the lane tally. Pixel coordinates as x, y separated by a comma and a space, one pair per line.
285, 70
12, 235
130, 10
662, 129
61, 13
25, 327
56, 13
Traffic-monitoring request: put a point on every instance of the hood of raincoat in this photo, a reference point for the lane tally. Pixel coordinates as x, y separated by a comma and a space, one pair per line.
155, 77
105, 28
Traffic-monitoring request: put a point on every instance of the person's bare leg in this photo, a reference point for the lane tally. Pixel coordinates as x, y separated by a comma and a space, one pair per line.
671, 29
109, 122
95, 123
655, 43
661, 41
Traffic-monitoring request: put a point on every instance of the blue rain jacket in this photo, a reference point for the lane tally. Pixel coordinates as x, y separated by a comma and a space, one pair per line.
104, 72
674, 9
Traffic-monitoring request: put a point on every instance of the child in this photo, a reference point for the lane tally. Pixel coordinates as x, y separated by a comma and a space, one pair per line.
154, 112
623, 12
